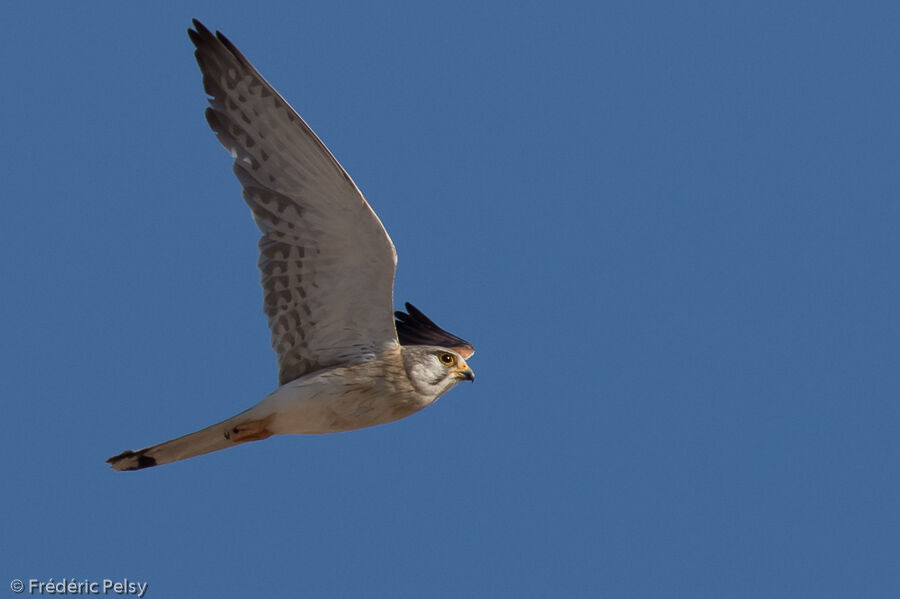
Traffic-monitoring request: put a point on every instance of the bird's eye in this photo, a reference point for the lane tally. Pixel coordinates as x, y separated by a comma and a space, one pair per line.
448, 359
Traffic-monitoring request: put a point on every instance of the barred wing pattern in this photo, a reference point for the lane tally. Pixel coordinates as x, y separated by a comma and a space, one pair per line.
327, 264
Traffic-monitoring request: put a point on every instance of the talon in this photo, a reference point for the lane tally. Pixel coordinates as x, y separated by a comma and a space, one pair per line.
255, 430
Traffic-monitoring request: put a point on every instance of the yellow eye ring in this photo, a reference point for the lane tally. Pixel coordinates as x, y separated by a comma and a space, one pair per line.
448, 359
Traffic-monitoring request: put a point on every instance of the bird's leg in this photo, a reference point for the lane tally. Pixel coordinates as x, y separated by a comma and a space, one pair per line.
254, 430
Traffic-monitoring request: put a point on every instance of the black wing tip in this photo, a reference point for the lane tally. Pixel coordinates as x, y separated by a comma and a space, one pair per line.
414, 328
199, 34
414, 315
202, 37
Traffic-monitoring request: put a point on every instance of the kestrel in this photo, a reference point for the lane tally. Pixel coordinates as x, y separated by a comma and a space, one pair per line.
327, 270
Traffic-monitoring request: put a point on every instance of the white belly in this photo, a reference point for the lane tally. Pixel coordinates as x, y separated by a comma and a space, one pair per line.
337, 400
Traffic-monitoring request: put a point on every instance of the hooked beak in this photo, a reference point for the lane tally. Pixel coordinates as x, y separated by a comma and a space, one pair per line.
465, 373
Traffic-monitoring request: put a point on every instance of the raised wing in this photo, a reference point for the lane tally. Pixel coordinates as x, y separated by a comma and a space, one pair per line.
414, 328
327, 264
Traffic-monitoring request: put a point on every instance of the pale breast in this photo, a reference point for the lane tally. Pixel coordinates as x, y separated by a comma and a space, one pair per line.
344, 398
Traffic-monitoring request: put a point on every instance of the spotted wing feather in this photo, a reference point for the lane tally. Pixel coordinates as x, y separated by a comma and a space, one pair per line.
327, 264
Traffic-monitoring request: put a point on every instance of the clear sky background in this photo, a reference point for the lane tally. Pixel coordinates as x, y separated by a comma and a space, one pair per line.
669, 229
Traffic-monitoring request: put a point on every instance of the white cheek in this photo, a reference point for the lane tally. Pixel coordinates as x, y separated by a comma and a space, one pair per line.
434, 372
424, 372
418, 371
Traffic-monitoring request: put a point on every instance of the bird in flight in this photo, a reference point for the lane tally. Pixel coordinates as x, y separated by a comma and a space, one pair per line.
346, 360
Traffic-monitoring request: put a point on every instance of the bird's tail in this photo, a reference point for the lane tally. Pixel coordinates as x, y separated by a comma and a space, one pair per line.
228, 433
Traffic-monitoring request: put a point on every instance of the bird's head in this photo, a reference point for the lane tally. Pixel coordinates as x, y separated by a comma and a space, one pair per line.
435, 370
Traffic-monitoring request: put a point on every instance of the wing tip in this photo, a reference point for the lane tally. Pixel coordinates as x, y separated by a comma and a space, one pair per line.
202, 37
199, 34
414, 328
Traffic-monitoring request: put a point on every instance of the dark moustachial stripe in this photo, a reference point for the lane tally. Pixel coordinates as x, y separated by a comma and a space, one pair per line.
438, 380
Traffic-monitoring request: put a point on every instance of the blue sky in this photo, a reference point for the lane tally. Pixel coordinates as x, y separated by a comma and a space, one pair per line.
669, 229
